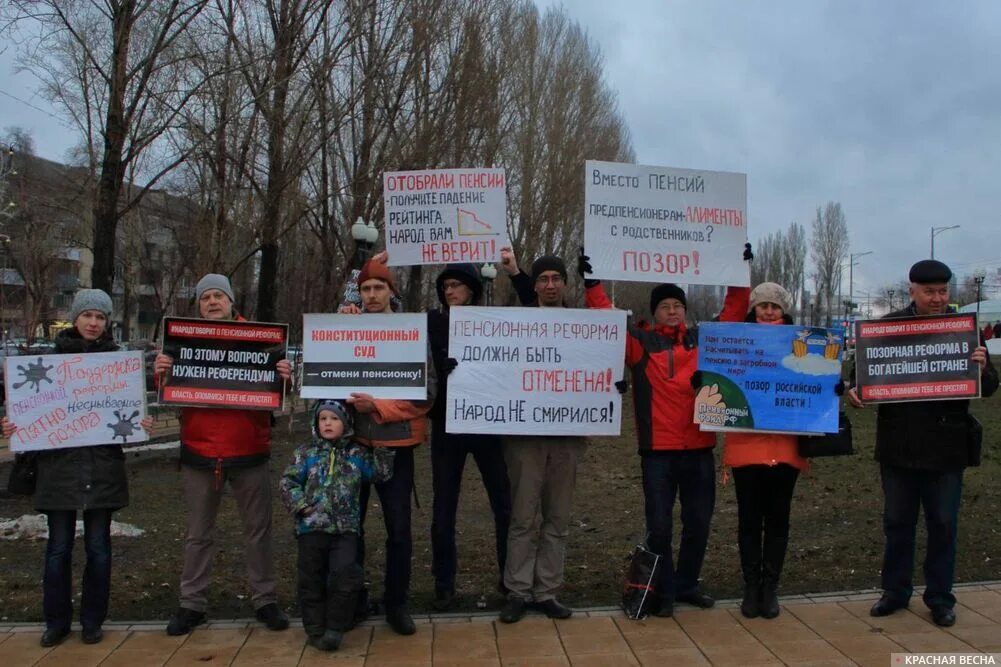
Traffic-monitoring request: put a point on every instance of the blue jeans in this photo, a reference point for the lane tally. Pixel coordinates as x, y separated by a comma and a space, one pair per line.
690, 474
448, 458
938, 492
57, 583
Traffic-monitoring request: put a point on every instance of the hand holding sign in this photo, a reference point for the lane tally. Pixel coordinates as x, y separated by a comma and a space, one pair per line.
363, 403
979, 357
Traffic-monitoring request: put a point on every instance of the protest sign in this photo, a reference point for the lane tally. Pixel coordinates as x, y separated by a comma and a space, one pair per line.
75, 400
659, 224
771, 378
444, 216
224, 363
917, 358
384, 355
535, 371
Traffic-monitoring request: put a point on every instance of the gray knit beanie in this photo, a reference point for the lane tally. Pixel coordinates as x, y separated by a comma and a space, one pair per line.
771, 293
214, 281
90, 299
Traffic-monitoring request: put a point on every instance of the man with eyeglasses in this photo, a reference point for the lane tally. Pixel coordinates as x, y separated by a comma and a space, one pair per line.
459, 285
543, 474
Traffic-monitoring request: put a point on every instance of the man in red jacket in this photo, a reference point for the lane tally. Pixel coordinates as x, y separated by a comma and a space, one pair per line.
676, 458
220, 445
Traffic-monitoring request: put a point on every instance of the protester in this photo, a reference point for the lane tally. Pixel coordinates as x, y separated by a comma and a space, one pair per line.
220, 446
676, 458
321, 489
922, 449
459, 285
987, 332
390, 423
765, 469
543, 473
997, 329
87, 479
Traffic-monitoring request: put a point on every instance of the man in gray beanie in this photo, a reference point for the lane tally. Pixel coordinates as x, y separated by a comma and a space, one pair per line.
219, 446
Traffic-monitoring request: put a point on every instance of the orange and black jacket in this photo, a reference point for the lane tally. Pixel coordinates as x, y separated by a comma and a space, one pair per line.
662, 360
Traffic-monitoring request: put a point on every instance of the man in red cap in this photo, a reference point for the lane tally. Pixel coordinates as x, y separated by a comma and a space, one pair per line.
390, 423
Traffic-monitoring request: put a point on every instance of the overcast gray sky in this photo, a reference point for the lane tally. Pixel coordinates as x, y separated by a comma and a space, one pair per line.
892, 108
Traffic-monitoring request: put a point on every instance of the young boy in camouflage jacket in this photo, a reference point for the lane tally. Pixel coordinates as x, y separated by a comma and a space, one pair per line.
321, 489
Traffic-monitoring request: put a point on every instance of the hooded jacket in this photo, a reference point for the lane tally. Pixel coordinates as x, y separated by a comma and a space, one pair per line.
438, 328
82, 478
662, 360
326, 476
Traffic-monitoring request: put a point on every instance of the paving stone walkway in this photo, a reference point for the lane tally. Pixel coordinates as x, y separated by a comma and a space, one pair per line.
831, 629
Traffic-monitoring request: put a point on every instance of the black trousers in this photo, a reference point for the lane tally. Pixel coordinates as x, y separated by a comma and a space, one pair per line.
394, 495
448, 458
329, 581
764, 500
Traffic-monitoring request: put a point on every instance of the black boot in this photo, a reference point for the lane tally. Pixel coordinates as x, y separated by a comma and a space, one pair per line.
771, 570
750, 564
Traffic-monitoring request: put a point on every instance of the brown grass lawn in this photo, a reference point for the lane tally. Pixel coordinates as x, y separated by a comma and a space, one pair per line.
836, 540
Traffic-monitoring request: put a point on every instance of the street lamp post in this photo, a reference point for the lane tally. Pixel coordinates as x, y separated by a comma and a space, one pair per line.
365, 236
489, 273
935, 231
978, 278
889, 294
851, 280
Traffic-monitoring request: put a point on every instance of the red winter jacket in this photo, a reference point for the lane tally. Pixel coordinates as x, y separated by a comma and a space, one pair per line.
224, 438
662, 360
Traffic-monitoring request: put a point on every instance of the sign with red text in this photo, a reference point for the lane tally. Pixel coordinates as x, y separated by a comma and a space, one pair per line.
384, 355
660, 224
917, 358
535, 371
224, 363
444, 216
75, 400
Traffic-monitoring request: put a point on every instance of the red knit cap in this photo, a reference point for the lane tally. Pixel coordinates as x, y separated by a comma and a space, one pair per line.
377, 270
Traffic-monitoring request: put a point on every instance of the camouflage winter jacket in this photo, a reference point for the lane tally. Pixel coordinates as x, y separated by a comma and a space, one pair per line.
327, 477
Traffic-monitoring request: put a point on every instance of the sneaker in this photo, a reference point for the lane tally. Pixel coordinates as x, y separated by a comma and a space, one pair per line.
444, 599
184, 621
91, 635
271, 616
553, 609
53, 636
400, 620
514, 610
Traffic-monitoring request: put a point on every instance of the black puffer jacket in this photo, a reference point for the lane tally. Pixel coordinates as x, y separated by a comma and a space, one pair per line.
82, 478
928, 435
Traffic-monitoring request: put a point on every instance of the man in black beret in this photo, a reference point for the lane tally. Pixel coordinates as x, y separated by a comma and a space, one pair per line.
922, 448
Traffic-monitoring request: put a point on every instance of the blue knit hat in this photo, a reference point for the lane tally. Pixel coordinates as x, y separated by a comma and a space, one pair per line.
339, 409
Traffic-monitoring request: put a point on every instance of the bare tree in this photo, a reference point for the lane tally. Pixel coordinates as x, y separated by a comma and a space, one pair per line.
828, 250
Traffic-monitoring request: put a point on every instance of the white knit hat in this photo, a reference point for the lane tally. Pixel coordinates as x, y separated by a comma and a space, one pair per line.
771, 293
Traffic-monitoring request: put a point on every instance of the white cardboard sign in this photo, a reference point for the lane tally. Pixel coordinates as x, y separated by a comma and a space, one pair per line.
75, 400
444, 216
535, 371
660, 224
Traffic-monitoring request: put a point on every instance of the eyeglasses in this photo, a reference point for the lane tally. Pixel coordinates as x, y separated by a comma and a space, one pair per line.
452, 284
549, 280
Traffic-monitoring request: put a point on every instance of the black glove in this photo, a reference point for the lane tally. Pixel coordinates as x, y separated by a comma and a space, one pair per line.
748, 255
839, 388
622, 385
448, 366
584, 268
697, 380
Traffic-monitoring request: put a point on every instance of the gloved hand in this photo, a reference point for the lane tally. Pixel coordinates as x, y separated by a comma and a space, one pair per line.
448, 366
622, 385
584, 268
697, 380
839, 388
748, 255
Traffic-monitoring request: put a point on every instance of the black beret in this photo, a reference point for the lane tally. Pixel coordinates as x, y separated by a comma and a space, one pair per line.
930, 271
667, 291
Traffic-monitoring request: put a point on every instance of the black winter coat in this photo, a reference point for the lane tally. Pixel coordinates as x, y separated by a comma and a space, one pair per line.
928, 435
438, 342
82, 478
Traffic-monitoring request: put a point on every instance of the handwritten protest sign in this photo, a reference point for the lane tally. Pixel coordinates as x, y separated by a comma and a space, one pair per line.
75, 400
535, 371
224, 363
443, 216
772, 378
659, 224
917, 359
384, 355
